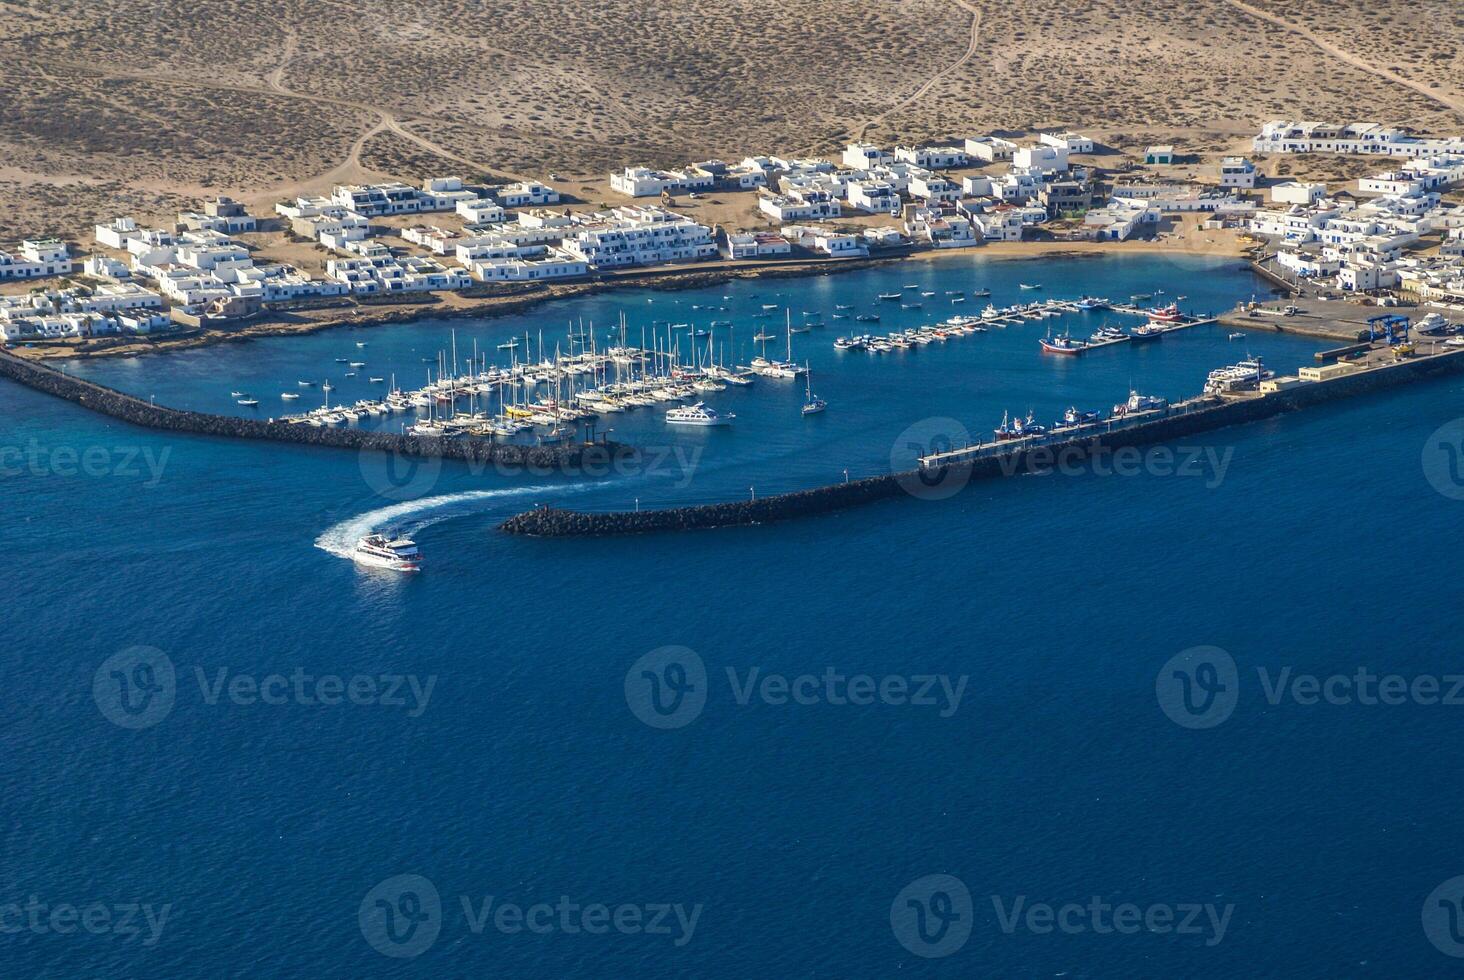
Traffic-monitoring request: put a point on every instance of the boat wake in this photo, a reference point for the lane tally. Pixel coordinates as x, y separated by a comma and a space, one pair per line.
411, 516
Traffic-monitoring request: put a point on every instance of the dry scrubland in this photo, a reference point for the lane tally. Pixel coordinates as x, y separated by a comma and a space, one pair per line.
126, 106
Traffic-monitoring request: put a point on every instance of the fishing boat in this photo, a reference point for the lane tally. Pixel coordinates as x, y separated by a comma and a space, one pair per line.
384, 551
912, 285
958, 299
1018, 428
1062, 345
1167, 314
697, 414
1091, 303
812, 404
1146, 332
849, 343
1029, 285
981, 293
892, 296
236, 394
927, 292
1139, 403
1076, 416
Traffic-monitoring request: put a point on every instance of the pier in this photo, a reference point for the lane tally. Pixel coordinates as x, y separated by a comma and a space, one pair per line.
1384, 367
570, 456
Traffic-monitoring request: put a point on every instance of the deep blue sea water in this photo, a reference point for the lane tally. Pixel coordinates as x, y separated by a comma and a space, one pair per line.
1320, 546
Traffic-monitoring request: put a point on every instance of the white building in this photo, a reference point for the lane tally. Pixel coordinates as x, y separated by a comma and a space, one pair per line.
865, 156
550, 264
1283, 136
115, 233
1237, 172
932, 157
757, 245
640, 236
644, 182
528, 193
481, 211
38, 257
1297, 192
1041, 159
933, 189
874, 196
1070, 142
796, 205
990, 149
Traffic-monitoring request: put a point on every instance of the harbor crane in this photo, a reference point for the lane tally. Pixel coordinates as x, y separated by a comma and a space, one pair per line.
1393, 326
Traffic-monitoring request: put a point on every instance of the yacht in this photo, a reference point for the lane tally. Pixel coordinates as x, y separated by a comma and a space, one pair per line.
981, 293
382, 551
697, 414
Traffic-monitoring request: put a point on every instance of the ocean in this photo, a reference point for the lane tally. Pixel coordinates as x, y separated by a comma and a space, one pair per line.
940, 737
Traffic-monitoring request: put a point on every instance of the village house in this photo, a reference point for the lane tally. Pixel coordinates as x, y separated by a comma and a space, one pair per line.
1040, 159
990, 149
1297, 192
1282, 136
481, 211
827, 241
548, 264
639, 236
1159, 156
874, 196
1237, 172
526, 194
800, 205
865, 156
934, 189
37, 257
940, 229
1068, 142
104, 267
932, 157
757, 245
644, 182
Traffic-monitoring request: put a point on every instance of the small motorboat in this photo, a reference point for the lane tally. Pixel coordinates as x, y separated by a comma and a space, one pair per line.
1029, 285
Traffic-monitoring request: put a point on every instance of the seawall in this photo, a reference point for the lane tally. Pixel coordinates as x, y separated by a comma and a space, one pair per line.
552, 522
133, 410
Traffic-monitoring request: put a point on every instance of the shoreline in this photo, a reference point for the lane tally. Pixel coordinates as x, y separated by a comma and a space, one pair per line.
448, 306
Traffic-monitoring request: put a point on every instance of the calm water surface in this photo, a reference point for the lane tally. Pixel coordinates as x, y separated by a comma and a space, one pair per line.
1317, 544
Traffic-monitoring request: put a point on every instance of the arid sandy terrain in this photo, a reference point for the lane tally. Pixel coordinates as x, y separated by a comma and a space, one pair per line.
132, 106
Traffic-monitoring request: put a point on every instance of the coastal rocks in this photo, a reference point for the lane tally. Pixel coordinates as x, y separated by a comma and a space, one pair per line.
511, 457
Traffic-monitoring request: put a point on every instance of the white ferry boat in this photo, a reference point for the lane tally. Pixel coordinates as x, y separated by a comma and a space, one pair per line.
697, 414
381, 551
